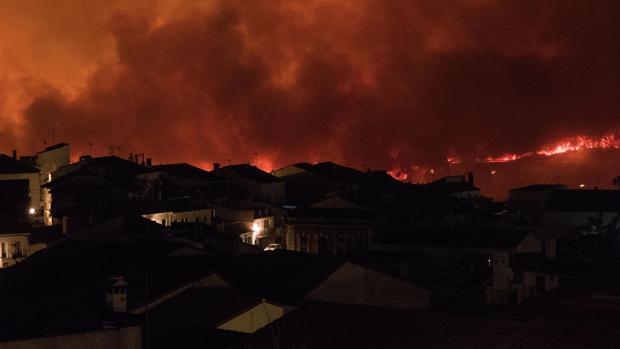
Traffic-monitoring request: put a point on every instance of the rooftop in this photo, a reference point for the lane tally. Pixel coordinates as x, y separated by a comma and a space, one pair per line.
205, 306
578, 200
252, 173
62, 286
541, 187
279, 276
9, 165
453, 184
335, 171
54, 147
322, 325
187, 171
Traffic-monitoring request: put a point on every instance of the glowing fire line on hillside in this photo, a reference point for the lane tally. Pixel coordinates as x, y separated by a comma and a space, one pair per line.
576, 143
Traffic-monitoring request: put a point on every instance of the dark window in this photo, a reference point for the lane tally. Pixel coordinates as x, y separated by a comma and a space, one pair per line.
540, 284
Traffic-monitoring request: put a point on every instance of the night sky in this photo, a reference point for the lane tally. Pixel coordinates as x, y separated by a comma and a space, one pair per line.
382, 84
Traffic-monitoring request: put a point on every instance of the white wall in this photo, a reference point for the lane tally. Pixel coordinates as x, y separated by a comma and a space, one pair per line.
9, 241
204, 216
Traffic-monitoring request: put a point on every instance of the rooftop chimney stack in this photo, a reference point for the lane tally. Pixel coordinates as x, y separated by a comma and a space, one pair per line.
470, 178
14, 154
116, 294
149, 162
216, 165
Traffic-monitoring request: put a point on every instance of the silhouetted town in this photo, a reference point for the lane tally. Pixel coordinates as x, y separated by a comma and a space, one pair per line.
111, 252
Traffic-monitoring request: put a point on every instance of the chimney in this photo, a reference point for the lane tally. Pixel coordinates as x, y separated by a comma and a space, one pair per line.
116, 294
14, 154
470, 178
216, 165
149, 162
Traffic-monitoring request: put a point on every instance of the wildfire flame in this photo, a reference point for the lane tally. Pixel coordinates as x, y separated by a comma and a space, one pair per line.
576, 143
398, 174
505, 158
608, 141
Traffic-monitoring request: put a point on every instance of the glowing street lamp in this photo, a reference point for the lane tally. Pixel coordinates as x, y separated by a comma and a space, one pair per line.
31, 211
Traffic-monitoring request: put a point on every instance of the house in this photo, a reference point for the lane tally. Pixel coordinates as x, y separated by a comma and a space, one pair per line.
178, 292
530, 201
483, 254
307, 183
15, 202
303, 188
292, 169
255, 223
330, 231
14, 222
98, 188
48, 161
520, 277
14, 245
13, 169
57, 298
457, 186
199, 184
254, 183
179, 210
222, 308
594, 211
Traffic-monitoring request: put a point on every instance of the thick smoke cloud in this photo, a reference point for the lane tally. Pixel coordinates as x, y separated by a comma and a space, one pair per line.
362, 82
